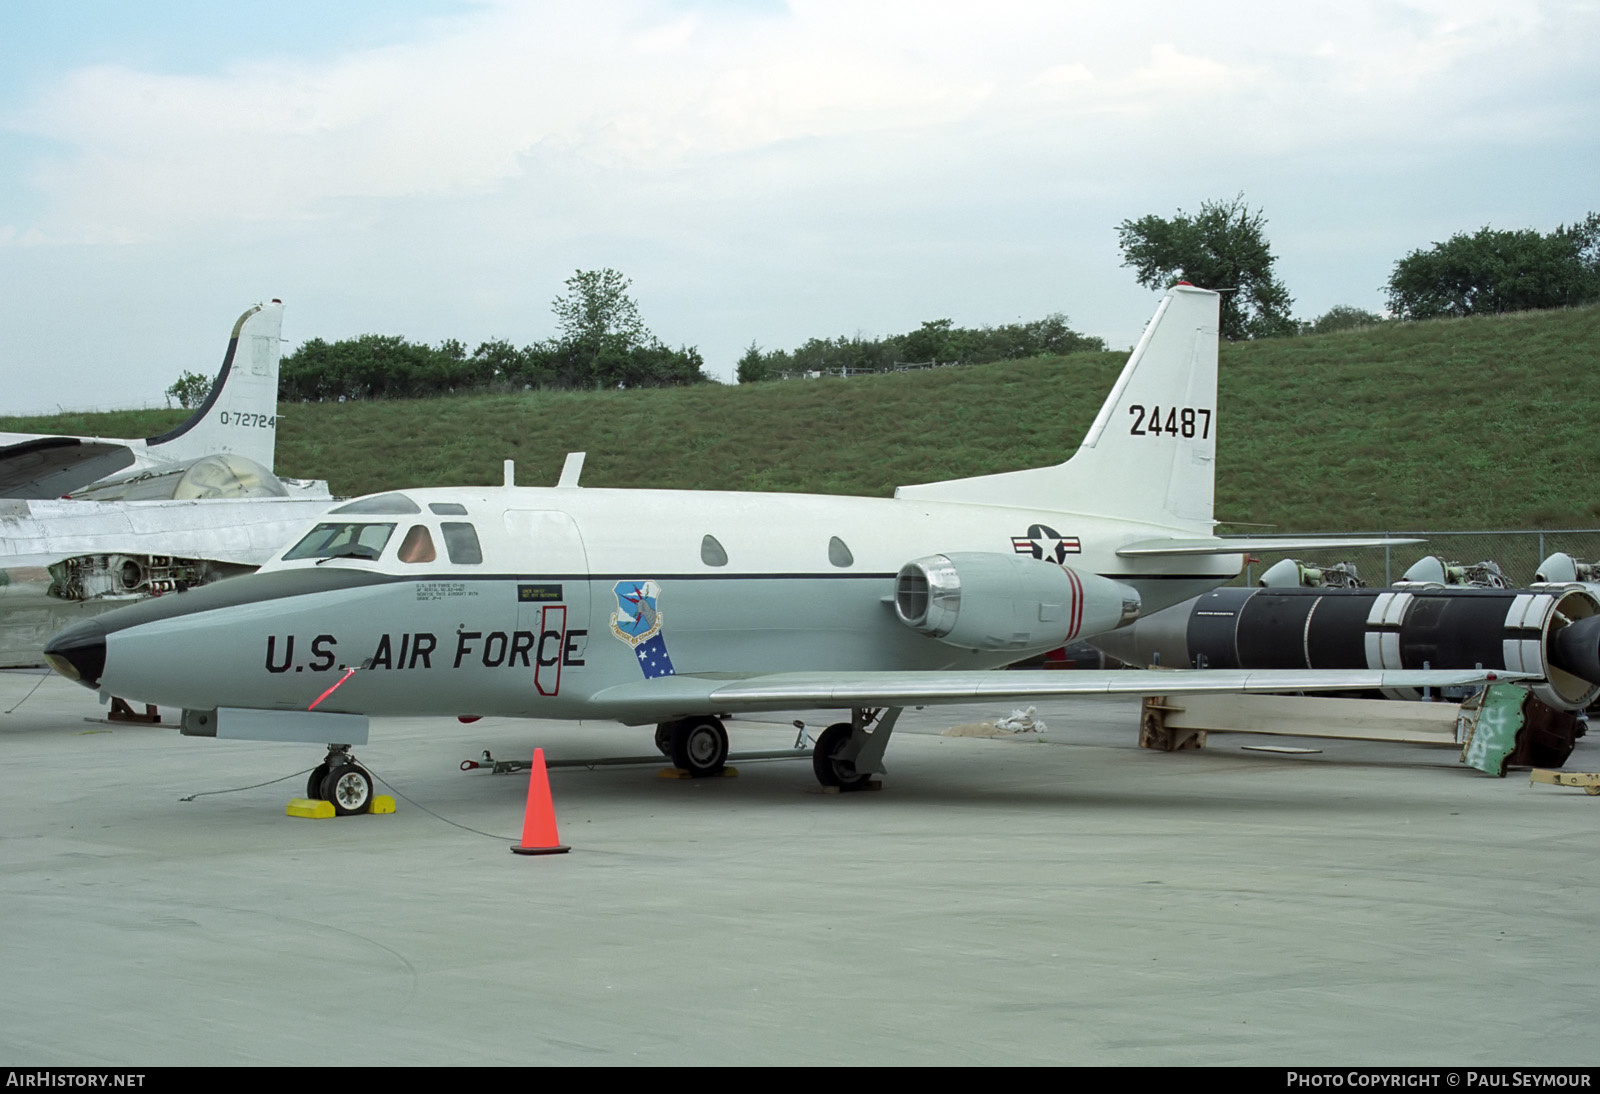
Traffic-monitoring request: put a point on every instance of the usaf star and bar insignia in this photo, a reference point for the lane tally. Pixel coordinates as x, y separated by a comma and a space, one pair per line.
1044, 542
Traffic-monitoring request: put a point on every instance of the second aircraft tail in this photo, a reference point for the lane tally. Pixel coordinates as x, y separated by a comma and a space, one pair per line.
240, 415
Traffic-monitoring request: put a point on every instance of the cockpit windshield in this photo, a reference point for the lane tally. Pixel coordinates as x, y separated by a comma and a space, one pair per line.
342, 539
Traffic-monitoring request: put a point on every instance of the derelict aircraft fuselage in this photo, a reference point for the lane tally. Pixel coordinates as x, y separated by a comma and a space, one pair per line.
674, 607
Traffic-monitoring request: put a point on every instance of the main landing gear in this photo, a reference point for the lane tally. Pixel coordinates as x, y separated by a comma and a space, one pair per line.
848, 754
697, 745
342, 781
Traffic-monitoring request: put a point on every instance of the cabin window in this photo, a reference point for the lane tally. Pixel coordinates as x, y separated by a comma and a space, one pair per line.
384, 504
839, 554
711, 552
417, 546
342, 539
447, 508
461, 543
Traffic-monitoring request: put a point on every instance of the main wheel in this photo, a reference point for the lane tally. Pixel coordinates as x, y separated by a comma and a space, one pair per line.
349, 788
319, 775
699, 746
664, 737
831, 771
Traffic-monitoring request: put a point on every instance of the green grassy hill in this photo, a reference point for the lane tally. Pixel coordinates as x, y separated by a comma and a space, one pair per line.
1478, 423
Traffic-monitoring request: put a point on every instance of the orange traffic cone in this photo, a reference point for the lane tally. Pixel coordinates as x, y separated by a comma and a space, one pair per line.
539, 824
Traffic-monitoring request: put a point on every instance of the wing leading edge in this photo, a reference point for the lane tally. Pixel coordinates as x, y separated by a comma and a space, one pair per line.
674, 696
1254, 545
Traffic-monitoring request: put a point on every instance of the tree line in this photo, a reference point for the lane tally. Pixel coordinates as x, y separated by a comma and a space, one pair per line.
935, 342
1224, 246
602, 342
1490, 272
378, 366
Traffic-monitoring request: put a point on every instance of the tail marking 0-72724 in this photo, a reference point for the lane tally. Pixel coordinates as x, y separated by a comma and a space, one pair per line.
775, 601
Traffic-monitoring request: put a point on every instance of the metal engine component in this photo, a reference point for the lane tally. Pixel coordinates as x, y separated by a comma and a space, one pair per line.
991, 602
1291, 573
1433, 570
132, 577
1564, 569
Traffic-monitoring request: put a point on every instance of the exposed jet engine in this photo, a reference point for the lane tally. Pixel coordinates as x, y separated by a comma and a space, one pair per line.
36, 602
995, 602
1563, 567
91, 577
1291, 573
1551, 630
1433, 570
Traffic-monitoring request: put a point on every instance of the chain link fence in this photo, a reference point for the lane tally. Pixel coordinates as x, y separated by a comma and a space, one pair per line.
1518, 554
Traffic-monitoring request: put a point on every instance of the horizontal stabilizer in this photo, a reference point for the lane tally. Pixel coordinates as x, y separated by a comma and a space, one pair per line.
1146, 548
48, 467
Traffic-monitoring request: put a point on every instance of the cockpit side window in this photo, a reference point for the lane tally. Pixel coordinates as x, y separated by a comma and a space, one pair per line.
461, 542
342, 539
418, 545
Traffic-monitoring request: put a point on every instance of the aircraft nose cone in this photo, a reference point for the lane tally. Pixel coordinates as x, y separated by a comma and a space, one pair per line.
79, 653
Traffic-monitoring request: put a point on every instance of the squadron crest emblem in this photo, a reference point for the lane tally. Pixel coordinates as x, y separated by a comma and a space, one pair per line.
637, 622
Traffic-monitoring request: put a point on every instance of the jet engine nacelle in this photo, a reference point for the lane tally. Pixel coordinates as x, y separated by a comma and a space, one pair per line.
995, 602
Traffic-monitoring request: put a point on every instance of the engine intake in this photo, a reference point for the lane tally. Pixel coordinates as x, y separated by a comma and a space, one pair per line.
995, 602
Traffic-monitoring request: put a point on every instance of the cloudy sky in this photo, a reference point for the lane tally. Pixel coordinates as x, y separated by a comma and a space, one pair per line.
763, 171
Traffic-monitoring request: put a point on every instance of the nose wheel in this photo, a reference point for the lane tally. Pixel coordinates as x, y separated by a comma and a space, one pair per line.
342, 782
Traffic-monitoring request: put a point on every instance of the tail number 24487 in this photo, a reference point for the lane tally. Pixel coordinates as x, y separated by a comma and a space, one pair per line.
1181, 421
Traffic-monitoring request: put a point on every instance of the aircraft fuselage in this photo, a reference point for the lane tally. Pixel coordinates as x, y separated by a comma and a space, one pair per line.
580, 590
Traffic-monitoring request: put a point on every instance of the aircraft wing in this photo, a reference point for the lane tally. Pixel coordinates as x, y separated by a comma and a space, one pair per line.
1211, 545
645, 699
245, 531
48, 467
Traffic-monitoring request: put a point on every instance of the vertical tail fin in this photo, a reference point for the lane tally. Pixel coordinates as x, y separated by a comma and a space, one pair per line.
241, 413
1150, 455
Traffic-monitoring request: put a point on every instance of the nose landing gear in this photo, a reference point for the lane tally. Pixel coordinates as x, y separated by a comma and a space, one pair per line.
342, 782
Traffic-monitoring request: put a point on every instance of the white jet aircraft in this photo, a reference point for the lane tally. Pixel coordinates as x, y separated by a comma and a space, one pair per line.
194, 504
679, 608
